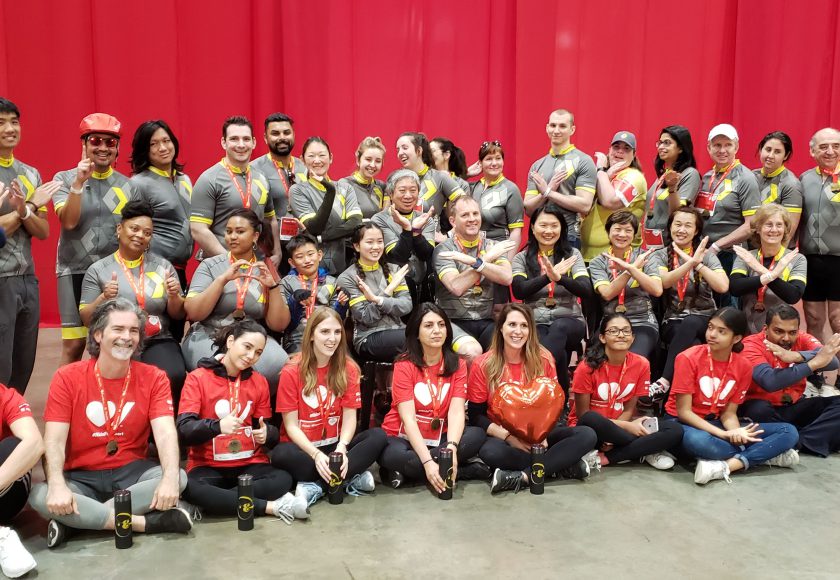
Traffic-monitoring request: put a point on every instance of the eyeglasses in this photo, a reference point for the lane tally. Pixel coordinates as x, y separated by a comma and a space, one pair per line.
108, 141
664, 143
619, 332
487, 144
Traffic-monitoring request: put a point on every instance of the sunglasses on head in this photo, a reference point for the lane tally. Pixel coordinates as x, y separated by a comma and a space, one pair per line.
487, 144
108, 141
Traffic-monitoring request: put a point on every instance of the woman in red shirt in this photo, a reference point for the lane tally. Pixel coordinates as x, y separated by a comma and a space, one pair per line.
318, 396
515, 354
429, 392
607, 384
221, 419
710, 381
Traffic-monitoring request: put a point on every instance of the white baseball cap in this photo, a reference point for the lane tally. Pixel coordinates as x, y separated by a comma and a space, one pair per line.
725, 130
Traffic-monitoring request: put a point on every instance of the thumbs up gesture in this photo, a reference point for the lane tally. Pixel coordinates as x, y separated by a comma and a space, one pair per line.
112, 288
261, 434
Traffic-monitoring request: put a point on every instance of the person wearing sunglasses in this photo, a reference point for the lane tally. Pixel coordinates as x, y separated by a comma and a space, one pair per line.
565, 178
370, 192
88, 206
230, 185
676, 185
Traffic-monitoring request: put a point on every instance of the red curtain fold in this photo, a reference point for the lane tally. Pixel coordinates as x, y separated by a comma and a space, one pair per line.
469, 70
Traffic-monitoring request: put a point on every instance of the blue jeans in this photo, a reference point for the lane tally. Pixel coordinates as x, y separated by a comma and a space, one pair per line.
776, 439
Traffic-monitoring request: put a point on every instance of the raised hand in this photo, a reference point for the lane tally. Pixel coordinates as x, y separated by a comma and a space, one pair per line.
539, 182
396, 279
750, 260
498, 250
458, 257
474, 169
559, 177
672, 179
399, 219
44, 193
366, 291
112, 288
420, 221
785, 262
261, 434
173, 285
235, 270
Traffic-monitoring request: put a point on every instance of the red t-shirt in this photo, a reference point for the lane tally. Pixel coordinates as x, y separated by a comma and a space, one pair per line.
409, 384
709, 395
311, 411
757, 354
608, 389
75, 398
208, 395
477, 391
12, 407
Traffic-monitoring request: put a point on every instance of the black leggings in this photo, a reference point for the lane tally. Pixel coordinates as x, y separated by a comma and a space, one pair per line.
558, 337
361, 453
566, 446
680, 334
627, 447
383, 345
398, 455
481, 330
14, 499
214, 489
166, 355
645, 341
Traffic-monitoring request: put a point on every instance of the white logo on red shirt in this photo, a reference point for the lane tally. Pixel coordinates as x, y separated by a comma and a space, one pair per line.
96, 415
312, 399
222, 407
708, 386
613, 391
24, 408
424, 395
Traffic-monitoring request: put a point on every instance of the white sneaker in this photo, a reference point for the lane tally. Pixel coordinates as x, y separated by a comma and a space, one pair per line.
829, 391
361, 484
593, 460
309, 491
14, 559
291, 507
708, 470
660, 460
787, 459
659, 388
811, 390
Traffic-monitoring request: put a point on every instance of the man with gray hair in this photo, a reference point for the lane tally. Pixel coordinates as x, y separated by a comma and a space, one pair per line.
819, 238
98, 416
408, 231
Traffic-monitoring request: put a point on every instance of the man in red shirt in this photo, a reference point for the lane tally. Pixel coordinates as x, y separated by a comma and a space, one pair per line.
98, 417
782, 357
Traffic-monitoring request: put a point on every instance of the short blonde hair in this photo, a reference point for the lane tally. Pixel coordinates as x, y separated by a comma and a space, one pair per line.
764, 213
369, 143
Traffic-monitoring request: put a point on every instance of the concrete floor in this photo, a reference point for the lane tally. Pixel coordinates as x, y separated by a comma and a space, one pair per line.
625, 522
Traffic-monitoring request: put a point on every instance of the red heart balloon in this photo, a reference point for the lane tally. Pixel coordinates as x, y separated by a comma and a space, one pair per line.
528, 411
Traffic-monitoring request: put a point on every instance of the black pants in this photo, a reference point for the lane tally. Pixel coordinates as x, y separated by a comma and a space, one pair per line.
20, 311
383, 345
645, 341
166, 355
566, 446
177, 327
816, 418
680, 334
361, 454
559, 337
15, 496
481, 330
627, 447
214, 489
398, 455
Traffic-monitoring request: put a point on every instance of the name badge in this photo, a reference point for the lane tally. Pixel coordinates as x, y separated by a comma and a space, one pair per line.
235, 446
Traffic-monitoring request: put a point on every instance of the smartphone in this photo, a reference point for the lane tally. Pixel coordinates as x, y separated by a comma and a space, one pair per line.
651, 424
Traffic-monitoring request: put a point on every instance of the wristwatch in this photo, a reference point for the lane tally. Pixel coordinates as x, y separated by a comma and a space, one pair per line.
478, 264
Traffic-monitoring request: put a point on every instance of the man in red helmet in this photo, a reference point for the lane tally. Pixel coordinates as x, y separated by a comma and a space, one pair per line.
88, 205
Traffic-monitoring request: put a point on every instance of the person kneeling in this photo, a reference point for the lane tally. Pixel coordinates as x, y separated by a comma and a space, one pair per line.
607, 385
710, 381
98, 416
221, 401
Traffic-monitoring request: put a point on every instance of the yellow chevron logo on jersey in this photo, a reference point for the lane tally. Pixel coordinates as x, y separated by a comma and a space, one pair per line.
727, 189
773, 195
24, 181
430, 189
155, 277
123, 200
263, 192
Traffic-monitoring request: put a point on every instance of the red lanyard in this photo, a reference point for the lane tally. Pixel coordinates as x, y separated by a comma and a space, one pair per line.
324, 408
435, 389
719, 389
233, 393
613, 395
615, 274
281, 172
313, 298
139, 289
682, 283
655, 188
463, 249
713, 185
242, 287
763, 289
544, 273
111, 423
244, 195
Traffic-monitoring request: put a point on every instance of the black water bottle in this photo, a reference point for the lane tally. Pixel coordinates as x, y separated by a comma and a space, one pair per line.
245, 505
445, 466
537, 484
336, 491
122, 519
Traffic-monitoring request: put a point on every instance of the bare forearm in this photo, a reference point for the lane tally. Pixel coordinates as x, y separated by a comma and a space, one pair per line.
206, 240
21, 460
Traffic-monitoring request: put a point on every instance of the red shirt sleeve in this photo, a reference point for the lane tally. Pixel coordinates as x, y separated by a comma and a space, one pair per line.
288, 389
583, 382
642, 377
685, 375
743, 381
14, 406
191, 394
808, 342
402, 386
549, 369
160, 401
754, 352
477, 382
352, 398
59, 407
459, 380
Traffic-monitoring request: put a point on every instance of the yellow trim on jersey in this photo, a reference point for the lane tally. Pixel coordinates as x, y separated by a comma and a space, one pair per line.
74, 333
123, 200
495, 182
515, 225
423, 171
270, 214
748, 212
160, 172
131, 264
7, 162
356, 300
532, 192
264, 197
361, 179
103, 175
579, 274
800, 278
401, 288
307, 216
233, 168
456, 344
794, 209
390, 247
431, 189
30, 189
738, 271
59, 205
523, 274
585, 188
200, 220
355, 212
366, 268
470, 244
445, 271
193, 293
773, 195
598, 284
774, 173
563, 151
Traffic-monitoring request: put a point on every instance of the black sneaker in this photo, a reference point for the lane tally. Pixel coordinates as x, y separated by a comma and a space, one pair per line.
56, 534
579, 470
392, 479
176, 520
506, 480
474, 471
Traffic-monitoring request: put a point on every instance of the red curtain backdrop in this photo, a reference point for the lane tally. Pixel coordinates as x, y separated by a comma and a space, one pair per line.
470, 70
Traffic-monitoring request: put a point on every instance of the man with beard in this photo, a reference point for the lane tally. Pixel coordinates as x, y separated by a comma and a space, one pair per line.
782, 357
88, 205
98, 416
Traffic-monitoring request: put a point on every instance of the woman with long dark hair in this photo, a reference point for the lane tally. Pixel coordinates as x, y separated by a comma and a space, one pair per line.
429, 391
515, 356
326, 209
677, 182
776, 182
711, 380
449, 158
222, 419
318, 397
379, 297
608, 382
689, 275
549, 276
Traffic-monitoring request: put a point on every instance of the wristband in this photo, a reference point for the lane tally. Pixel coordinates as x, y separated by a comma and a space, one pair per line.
27, 215
455, 443
699, 266
546, 193
715, 248
604, 169
507, 436
76, 191
478, 265
428, 460
275, 286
